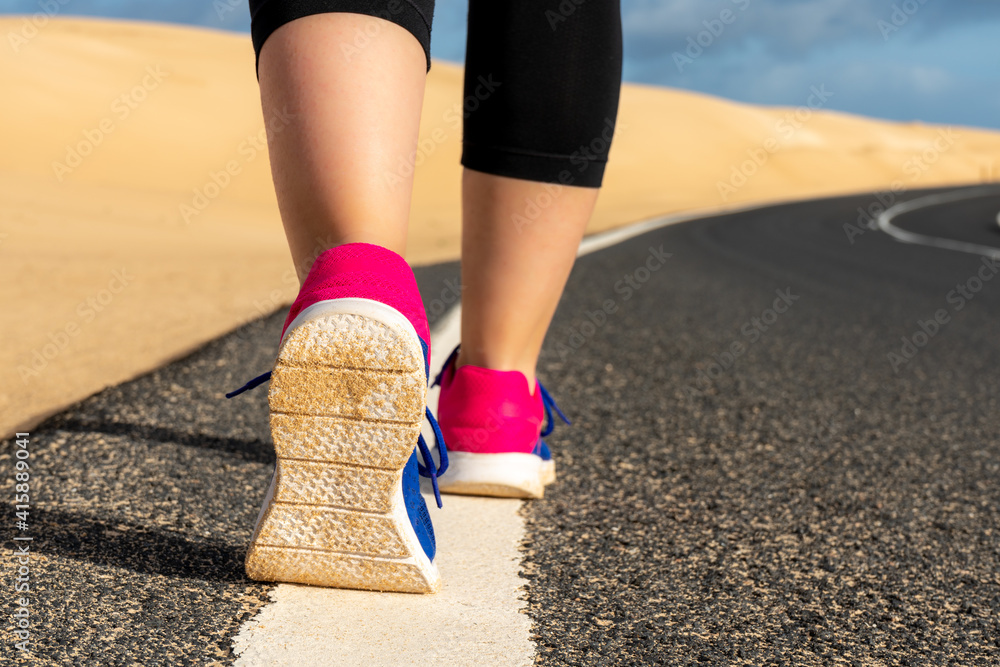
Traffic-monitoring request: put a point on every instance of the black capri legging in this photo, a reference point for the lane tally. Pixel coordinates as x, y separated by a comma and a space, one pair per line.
542, 79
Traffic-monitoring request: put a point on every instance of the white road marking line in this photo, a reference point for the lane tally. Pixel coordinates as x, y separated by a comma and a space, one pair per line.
476, 619
885, 222
603, 240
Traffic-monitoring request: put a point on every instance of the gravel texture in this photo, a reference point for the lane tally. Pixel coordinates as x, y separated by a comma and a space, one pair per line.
807, 505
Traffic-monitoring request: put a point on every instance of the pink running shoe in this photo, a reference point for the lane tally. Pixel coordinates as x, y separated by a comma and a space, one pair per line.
493, 424
347, 399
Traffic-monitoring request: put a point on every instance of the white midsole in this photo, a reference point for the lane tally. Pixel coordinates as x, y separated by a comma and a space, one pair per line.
511, 469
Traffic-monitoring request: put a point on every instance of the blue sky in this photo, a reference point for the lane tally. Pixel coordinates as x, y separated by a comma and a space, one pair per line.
929, 60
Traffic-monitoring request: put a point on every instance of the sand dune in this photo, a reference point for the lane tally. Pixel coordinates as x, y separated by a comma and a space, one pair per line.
137, 218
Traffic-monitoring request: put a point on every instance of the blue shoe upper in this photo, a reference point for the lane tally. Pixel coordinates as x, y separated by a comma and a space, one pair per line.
416, 507
541, 450
428, 469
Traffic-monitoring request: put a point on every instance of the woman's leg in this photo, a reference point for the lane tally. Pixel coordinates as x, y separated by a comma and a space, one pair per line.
534, 151
541, 92
355, 115
347, 391
514, 267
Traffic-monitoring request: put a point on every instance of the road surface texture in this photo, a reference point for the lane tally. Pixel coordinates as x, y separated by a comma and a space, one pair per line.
761, 471
816, 502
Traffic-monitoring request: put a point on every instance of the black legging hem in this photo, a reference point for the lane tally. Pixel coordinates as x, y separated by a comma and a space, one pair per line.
573, 169
269, 15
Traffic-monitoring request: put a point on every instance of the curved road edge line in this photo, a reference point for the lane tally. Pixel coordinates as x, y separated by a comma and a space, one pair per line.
885, 219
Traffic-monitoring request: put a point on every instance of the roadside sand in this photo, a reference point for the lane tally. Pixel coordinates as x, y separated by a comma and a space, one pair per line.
123, 243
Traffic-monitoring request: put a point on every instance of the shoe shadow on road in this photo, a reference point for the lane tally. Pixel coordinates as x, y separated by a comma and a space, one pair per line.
136, 547
257, 451
151, 520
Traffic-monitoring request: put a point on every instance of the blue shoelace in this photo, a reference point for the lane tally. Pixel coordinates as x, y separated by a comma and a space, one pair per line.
550, 405
548, 402
426, 469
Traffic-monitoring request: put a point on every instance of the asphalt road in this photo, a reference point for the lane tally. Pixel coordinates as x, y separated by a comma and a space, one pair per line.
813, 503
804, 500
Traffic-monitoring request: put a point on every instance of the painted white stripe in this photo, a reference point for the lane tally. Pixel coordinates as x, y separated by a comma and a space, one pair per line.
885, 222
603, 240
476, 619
